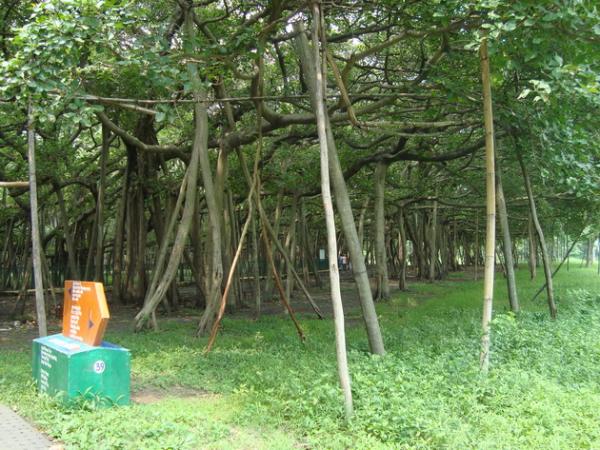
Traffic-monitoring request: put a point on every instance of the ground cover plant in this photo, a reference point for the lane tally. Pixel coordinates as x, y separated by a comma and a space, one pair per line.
261, 388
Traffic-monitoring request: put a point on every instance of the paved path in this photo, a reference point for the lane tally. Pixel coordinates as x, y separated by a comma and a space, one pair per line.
18, 434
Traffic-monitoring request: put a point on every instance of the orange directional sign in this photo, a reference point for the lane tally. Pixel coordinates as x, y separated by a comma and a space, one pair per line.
85, 312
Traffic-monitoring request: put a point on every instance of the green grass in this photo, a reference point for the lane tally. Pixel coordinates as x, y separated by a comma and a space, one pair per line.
542, 391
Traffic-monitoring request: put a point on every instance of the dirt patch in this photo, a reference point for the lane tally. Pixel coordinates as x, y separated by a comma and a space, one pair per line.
149, 395
17, 336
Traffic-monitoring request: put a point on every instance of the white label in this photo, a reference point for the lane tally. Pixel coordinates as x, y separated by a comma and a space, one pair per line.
99, 366
322, 254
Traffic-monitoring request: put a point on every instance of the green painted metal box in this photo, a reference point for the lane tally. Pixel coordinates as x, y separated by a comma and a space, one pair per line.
71, 369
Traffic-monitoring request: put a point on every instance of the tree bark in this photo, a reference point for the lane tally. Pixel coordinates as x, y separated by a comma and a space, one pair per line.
215, 276
490, 236
403, 255
361, 222
345, 211
532, 248
383, 288
6, 250
476, 249
433, 248
199, 157
303, 244
40, 305
19, 306
159, 269
158, 289
507, 246
256, 270
48, 276
291, 248
540, 235
99, 263
64, 219
269, 281
334, 276
92, 240
225, 224
231, 274
118, 241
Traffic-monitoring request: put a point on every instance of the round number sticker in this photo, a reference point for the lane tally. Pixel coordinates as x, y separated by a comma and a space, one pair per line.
99, 366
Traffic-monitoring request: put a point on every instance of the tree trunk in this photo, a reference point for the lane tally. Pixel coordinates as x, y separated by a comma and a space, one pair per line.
160, 276
40, 305
139, 235
48, 277
201, 147
199, 157
291, 248
334, 276
540, 234
92, 240
342, 199
589, 257
256, 269
99, 263
417, 255
197, 260
269, 280
19, 306
118, 242
507, 246
403, 256
6, 250
490, 236
476, 249
361, 222
433, 257
64, 219
225, 224
303, 246
598, 258
158, 289
232, 270
383, 288
532, 248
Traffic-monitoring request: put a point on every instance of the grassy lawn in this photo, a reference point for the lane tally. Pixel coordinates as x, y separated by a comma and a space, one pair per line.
262, 388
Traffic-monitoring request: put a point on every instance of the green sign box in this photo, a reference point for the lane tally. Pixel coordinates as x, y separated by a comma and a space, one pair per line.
70, 369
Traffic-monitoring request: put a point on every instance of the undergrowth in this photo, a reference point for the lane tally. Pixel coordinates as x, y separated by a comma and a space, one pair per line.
272, 392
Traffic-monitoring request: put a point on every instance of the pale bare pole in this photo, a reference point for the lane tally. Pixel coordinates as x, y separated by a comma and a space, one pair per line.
540, 235
40, 305
506, 245
344, 209
14, 184
334, 275
490, 183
